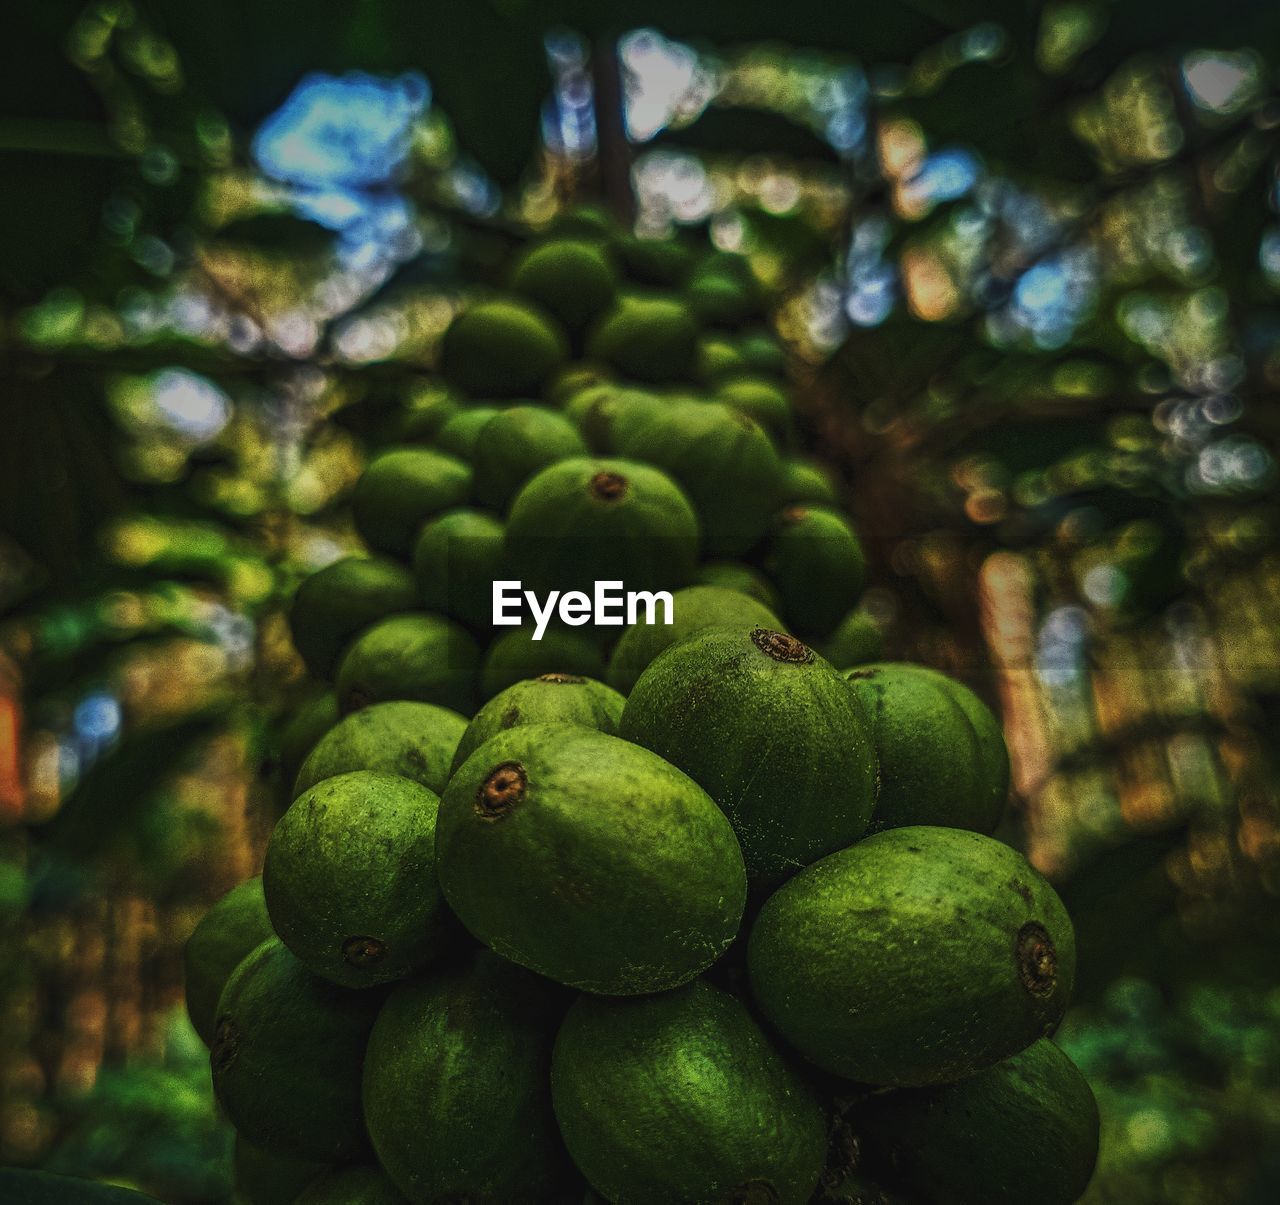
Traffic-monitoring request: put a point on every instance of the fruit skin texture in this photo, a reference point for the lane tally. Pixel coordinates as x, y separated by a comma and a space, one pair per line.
649, 338
501, 348
816, 561
724, 462
589, 860
423, 657
359, 1184
734, 575
514, 445
569, 278
694, 610
771, 732
680, 1097
856, 641
455, 560
456, 1092
583, 520
763, 400
414, 740
400, 490
335, 604
1023, 1130
459, 434
931, 767
805, 480
515, 656
232, 929
286, 1060
350, 878
605, 414
918, 956
552, 698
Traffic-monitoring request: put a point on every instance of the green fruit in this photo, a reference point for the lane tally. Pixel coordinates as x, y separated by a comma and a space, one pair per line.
584, 222
723, 461
581, 521
771, 732
681, 1097
589, 860
694, 609
762, 354
456, 559
414, 740
720, 300
262, 1178
647, 338
514, 445
815, 560
459, 435
547, 699
574, 379
1023, 1130
335, 604
231, 930
570, 279
855, 641
931, 769
300, 733
918, 956
808, 481
400, 490
605, 414
651, 261
26, 1186
350, 878
424, 415
456, 1090
515, 656
765, 401
359, 1184
501, 349
286, 1057
718, 358
423, 657
734, 575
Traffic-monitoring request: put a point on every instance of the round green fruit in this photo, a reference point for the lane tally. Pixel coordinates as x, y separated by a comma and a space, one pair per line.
649, 338
501, 348
718, 359
734, 575
552, 698
762, 354
681, 1097
28, 1186
416, 741
299, 734
357, 1184
765, 401
605, 414
286, 1057
574, 379
515, 656
720, 300
816, 561
423, 657
569, 278
231, 930
771, 732
459, 435
855, 641
514, 445
456, 1090
918, 956
455, 560
400, 490
807, 481
651, 261
589, 860
335, 604
424, 415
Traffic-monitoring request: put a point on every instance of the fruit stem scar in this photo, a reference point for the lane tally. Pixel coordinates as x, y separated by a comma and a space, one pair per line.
780, 646
608, 487
1037, 959
501, 791
565, 679
363, 951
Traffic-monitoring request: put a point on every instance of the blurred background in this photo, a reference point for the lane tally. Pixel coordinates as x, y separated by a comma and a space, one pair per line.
1027, 266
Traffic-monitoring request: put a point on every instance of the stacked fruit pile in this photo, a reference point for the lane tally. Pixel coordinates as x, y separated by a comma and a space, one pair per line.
707, 912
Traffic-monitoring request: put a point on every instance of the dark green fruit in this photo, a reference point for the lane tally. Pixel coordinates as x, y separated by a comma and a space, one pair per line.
647, 338
762, 354
734, 575
298, 735
456, 559
400, 490
514, 445
1023, 1130
335, 604
815, 560
26, 1186
931, 768
771, 732
681, 1097
424, 415
359, 1184
583, 521
589, 860
515, 656
724, 462
231, 930
571, 279
460, 434
918, 956
805, 480
286, 1057
456, 1091
414, 740
855, 641
262, 1178
423, 657
652, 261
574, 379
501, 349
350, 878
765, 401
604, 414
718, 359
694, 609
721, 300
553, 698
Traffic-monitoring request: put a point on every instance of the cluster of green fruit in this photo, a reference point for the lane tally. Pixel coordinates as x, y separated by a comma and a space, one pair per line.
667, 917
